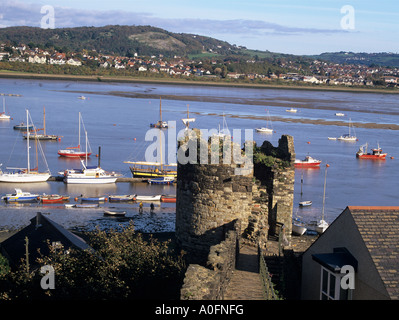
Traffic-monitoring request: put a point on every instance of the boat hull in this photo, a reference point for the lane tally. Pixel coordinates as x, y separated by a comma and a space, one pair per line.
372, 156
148, 198
114, 213
143, 173
86, 180
24, 177
307, 165
52, 199
121, 198
264, 130
73, 154
168, 199
298, 230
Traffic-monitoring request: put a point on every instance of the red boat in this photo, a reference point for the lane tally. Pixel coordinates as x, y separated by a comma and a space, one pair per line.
53, 198
376, 153
71, 153
308, 162
168, 198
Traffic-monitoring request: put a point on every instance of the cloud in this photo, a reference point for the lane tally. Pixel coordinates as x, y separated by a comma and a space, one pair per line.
16, 13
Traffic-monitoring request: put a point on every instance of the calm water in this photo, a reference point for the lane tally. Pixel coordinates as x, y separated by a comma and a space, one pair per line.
119, 124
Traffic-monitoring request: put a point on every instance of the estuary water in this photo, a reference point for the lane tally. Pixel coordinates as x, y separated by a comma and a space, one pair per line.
116, 117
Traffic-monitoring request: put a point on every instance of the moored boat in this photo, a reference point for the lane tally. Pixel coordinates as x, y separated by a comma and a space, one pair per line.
162, 180
114, 213
376, 153
28, 174
293, 110
308, 162
76, 152
3, 115
20, 196
148, 198
53, 198
94, 199
306, 203
298, 227
89, 175
121, 198
348, 137
268, 128
168, 198
86, 205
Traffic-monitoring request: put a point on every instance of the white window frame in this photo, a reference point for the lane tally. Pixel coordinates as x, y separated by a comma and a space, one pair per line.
336, 295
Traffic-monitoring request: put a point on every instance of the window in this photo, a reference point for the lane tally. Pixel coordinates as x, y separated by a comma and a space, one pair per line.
330, 286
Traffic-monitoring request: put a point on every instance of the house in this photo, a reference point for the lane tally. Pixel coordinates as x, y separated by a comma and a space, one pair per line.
73, 62
310, 79
37, 59
363, 238
40, 230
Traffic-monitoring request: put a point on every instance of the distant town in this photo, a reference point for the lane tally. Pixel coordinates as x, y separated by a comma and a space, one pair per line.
316, 72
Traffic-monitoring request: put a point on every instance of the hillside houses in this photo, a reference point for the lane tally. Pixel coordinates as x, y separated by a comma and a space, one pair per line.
314, 73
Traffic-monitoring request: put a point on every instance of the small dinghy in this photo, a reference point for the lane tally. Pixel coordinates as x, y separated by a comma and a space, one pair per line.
114, 213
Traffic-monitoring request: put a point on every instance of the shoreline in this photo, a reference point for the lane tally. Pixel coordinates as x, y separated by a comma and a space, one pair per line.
96, 78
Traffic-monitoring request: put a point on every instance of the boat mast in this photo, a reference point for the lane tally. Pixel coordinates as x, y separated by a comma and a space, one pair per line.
324, 193
27, 138
44, 120
79, 136
160, 109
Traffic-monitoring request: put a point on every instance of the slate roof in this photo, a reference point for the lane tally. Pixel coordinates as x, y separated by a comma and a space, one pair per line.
379, 228
38, 232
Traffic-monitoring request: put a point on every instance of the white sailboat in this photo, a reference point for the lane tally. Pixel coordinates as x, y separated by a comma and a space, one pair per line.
187, 120
268, 128
3, 115
89, 175
225, 130
348, 136
322, 225
76, 152
26, 174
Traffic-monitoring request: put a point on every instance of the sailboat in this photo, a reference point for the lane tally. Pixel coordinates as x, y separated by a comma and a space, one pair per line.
44, 136
89, 175
26, 174
75, 152
268, 128
225, 130
322, 225
3, 115
160, 124
348, 136
147, 169
187, 120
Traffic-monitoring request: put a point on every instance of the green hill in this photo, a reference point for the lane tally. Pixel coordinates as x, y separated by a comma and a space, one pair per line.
117, 40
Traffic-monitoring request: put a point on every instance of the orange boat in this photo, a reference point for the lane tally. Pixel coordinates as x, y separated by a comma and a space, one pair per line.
168, 198
376, 153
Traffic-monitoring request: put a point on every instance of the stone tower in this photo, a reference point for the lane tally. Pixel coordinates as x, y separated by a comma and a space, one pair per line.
209, 198
276, 174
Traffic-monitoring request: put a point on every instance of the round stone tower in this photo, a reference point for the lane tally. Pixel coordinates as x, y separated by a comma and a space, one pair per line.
209, 198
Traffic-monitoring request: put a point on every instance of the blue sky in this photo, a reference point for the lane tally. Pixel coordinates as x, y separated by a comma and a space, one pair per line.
287, 26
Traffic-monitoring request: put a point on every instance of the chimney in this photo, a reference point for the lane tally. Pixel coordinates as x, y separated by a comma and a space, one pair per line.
38, 220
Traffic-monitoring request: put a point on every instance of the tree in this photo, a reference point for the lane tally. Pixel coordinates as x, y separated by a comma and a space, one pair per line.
123, 266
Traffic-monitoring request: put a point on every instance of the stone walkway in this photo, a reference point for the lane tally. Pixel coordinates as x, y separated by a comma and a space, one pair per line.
245, 283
